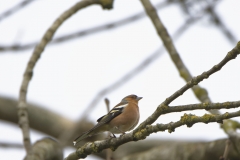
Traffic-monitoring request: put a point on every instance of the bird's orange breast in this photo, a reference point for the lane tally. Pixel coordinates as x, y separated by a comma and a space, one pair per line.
125, 121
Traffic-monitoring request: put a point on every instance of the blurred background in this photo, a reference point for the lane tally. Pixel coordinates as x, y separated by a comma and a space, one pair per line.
99, 54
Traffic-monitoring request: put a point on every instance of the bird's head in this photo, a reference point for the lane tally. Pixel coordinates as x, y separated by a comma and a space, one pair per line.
131, 98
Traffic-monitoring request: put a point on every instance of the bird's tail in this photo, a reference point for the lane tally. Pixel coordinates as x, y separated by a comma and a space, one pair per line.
81, 137
95, 130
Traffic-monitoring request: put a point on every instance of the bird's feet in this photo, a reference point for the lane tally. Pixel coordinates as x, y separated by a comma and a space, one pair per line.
113, 136
110, 137
122, 134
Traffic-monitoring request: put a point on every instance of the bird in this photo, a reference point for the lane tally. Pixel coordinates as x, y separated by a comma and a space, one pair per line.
122, 118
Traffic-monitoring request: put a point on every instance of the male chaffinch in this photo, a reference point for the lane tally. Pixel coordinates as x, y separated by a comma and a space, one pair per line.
123, 117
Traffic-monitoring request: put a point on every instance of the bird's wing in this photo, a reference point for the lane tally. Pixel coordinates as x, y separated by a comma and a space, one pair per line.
117, 110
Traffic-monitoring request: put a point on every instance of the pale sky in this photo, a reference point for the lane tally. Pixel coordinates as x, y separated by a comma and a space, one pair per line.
69, 75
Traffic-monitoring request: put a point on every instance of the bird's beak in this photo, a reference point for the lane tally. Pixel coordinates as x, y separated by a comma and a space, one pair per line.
138, 98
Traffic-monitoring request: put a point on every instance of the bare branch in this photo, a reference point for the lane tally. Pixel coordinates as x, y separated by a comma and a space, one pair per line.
207, 106
47, 149
15, 8
107, 102
10, 145
219, 23
38, 115
180, 150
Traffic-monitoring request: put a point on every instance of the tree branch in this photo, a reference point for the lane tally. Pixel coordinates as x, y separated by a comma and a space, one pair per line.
15, 8
113, 143
206, 106
10, 145
179, 150
45, 149
37, 116
219, 23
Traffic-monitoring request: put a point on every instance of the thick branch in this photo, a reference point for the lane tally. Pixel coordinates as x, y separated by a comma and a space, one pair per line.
45, 149
37, 117
177, 150
54, 124
113, 143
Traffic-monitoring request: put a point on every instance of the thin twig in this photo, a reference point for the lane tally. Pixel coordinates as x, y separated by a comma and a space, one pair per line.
107, 102
220, 24
15, 8
206, 106
10, 145
22, 106
208, 8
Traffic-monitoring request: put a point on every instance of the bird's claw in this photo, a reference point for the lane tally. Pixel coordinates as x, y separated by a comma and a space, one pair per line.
122, 134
